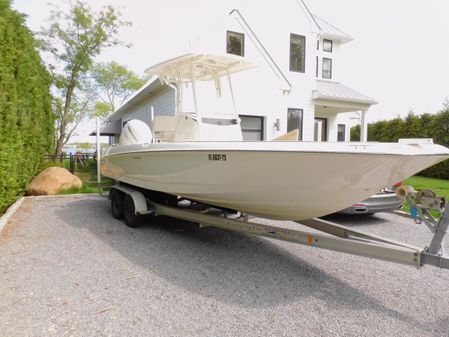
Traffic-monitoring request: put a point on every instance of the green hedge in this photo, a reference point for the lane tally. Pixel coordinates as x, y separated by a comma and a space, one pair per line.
26, 120
424, 126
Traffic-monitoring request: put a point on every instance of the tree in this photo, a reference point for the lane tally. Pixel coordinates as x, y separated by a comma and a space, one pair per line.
446, 103
114, 84
84, 146
73, 39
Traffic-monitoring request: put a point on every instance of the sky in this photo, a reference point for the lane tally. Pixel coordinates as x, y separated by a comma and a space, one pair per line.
399, 55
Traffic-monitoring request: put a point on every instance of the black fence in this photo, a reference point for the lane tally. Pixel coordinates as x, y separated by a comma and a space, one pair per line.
74, 162
84, 166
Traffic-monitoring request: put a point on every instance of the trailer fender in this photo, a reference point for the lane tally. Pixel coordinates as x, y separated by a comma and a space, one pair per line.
140, 203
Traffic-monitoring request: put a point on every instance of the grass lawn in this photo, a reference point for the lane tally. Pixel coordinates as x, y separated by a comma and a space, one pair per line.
439, 186
88, 175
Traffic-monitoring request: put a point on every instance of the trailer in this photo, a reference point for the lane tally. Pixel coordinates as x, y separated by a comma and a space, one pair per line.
129, 203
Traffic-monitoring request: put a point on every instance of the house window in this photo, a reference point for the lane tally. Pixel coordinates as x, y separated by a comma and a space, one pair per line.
327, 45
327, 68
341, 133
320, 134
235, 43
316, 67
297, 53
294, 121
252, 127
317, 44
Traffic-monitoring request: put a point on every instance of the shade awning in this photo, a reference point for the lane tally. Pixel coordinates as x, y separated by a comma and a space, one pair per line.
328, 30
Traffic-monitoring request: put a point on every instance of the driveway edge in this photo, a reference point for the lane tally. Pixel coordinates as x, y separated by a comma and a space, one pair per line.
10, 212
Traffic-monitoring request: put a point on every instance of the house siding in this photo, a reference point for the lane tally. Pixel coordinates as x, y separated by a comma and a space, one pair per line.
162, 103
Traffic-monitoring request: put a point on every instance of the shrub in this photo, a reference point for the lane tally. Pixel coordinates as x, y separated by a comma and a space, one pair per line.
424, 126
27, 130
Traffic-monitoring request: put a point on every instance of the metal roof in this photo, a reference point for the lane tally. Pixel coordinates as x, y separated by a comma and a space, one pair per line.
110, 129
336, 91
330, 31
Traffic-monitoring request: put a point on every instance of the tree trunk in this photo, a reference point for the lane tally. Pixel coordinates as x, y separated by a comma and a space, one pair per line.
62, 126
59, 144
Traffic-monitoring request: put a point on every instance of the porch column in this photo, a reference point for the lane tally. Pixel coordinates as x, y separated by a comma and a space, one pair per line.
363, 126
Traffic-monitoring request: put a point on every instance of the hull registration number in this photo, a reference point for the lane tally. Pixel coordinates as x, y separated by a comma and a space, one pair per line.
215, 157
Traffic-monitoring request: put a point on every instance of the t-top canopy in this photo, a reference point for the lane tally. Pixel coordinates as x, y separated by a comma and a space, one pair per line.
205, 67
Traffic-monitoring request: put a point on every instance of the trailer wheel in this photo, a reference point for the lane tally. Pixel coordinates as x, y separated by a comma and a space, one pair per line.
129, 212
116, 204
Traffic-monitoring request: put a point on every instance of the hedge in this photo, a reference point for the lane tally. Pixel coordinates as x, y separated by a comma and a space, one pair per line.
424, 126
26, 119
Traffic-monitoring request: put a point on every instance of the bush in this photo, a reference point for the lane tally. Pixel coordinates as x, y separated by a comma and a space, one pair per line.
27, 130
424, 126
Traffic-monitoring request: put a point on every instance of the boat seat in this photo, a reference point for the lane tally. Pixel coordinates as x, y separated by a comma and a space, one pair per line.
164, 127
179, 128
292, 136
182, 127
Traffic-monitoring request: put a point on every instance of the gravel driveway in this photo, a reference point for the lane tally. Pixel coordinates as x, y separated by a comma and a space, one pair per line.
69, 269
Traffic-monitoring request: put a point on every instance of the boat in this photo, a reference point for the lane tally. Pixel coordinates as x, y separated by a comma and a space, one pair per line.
200, 156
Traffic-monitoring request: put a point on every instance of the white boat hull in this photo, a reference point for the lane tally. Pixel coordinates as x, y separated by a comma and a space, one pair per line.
277, 180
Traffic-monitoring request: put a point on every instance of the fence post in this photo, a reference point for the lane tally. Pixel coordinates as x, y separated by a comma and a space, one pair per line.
71, 163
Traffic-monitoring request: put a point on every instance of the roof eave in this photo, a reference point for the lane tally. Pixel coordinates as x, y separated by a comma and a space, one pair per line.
317, 96
338, 37
123, 107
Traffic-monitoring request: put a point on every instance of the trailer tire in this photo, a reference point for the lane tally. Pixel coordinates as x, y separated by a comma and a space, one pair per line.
129, 212
116, 204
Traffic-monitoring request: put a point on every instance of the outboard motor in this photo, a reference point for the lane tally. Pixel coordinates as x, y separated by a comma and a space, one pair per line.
135, 132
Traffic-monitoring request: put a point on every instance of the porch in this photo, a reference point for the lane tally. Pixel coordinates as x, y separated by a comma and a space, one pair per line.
330, 100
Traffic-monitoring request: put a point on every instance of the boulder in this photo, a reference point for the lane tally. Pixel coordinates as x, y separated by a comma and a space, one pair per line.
53, 180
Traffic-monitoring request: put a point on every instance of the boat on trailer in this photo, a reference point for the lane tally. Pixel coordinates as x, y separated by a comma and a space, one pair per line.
198, 154
199, 159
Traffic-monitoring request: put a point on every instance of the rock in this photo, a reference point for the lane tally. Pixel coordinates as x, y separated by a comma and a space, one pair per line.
53, 180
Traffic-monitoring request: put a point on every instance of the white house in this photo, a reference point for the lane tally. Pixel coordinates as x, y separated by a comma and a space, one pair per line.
294, 86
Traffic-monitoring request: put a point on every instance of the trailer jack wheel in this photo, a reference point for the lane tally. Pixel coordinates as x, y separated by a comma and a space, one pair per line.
117, 204
129, 212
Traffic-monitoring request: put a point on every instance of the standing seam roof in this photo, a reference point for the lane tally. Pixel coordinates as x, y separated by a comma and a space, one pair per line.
338, 91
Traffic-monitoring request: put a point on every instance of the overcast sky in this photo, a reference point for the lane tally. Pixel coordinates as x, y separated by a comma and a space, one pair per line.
399, 56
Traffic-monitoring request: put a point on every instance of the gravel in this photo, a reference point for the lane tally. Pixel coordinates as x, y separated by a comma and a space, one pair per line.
69, 269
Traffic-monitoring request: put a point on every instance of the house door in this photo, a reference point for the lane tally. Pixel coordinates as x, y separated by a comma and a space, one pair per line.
320, 134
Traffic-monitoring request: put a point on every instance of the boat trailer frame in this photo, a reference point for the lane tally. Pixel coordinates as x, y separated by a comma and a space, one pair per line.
337, 238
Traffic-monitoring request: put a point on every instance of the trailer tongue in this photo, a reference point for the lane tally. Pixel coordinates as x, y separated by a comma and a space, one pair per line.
129, 203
